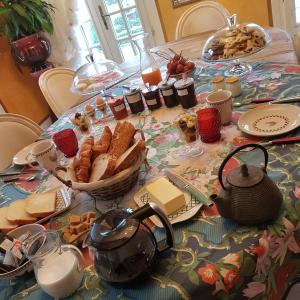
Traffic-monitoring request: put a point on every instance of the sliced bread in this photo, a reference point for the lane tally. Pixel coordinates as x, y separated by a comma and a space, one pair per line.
41, 205
4, 224
16, 213
103, 167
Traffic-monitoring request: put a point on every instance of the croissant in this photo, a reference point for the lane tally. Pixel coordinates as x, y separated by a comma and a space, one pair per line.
82, 163
103, 144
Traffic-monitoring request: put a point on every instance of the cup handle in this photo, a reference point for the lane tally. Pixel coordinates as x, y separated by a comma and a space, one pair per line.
78, 254
28, 161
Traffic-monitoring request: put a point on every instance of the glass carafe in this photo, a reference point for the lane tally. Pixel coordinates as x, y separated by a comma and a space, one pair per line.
149, 68
58, 268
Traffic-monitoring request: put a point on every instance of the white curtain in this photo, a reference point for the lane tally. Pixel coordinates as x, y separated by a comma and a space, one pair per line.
67, 48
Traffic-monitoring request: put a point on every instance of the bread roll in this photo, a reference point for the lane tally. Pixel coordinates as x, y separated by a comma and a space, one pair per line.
103, 144
122, 138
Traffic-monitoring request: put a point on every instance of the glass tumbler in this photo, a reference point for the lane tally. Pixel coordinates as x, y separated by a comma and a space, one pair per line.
209, 124
66, 141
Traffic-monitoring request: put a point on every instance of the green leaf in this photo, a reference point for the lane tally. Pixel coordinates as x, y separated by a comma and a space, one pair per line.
247, 267
4, 11
193, 277
203, 254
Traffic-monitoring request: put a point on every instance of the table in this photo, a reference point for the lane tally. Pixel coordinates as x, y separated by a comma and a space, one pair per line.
214, 258
281, 49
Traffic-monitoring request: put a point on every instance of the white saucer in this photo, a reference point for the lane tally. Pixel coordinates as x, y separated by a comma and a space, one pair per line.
270, 120
188, 211
20, 157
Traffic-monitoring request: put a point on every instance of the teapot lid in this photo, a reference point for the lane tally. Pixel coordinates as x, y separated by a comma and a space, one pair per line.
113, 229
245, 176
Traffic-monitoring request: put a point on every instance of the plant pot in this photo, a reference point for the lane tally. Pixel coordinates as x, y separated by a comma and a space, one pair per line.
31, 50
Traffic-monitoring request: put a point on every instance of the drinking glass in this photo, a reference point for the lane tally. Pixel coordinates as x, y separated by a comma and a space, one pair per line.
66, 142
186, 125
209, 124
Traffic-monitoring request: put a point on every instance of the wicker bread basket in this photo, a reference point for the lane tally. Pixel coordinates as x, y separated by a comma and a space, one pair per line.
110, 188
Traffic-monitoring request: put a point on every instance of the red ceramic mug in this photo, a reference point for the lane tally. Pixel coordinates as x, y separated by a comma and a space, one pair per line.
66, 142
209, 124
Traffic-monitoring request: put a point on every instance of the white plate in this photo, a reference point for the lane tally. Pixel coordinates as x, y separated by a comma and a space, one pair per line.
192, 206
20, 157
270, 119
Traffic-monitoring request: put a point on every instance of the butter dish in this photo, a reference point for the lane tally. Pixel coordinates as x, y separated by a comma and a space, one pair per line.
191, 207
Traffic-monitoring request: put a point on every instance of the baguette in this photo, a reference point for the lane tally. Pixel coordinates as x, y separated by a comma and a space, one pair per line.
103, 144
5, 225
121, 139
17, 215
103, 167
129, 157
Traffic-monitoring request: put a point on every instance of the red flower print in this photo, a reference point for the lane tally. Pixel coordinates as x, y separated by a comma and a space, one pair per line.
292, 69
231, 278
208, 274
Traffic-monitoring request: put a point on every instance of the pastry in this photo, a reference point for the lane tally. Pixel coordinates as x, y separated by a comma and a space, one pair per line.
82, 163
90, 110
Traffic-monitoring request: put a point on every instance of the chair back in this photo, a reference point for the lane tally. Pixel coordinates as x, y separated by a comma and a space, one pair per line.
16, 132
55, 85
203, 17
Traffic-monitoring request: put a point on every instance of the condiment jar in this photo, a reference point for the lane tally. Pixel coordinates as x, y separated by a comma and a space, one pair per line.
233, 84
152, 97
186, 92
218, 83
118, 107
168, 92
135, 101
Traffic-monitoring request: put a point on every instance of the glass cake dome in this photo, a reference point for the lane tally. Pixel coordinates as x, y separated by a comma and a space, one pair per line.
94, 77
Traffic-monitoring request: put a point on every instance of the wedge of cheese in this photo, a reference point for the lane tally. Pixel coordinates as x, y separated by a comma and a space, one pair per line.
166, 195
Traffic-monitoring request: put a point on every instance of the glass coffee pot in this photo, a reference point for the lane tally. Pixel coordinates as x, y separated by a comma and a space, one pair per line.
149, 68
58, 268
125, 248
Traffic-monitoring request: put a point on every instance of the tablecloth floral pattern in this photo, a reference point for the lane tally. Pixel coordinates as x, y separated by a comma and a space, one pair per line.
214, 258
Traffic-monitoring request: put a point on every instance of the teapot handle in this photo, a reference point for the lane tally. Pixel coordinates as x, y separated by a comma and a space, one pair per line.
151, 209
264, 150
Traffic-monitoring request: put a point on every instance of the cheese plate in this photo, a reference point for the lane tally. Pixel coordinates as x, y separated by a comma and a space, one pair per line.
192, 206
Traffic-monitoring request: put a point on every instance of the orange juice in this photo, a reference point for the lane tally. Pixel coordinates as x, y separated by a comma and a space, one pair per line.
151, 76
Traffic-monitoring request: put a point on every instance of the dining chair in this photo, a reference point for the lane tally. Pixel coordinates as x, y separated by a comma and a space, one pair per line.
203, 17
16, 132
55, 85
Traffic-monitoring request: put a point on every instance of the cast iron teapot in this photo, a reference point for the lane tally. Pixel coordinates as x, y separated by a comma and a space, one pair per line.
248, 196
125, 247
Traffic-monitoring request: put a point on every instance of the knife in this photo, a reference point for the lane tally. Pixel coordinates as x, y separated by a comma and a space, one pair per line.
185, 185
267, 100
288, 140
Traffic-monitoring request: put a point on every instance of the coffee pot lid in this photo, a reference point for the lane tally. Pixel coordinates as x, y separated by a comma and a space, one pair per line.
113, 229
245, 176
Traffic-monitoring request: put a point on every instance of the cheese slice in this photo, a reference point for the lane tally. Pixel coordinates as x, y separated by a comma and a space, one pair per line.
166, 195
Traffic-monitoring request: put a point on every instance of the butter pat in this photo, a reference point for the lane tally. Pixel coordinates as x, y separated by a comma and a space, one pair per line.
167, 196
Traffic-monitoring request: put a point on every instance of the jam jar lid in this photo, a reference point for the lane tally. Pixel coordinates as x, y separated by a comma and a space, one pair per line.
183, 83
163, 85
151, 88
116, 100
113, 229
132, 90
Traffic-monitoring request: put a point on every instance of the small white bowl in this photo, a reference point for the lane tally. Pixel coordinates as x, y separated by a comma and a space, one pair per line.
27, 266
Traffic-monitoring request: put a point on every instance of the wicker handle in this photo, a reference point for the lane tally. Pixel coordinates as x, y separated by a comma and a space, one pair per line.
68, 183
230, 155
141, 132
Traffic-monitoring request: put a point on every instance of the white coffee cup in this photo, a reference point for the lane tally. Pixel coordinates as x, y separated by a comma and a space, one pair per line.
44, 153
222, 100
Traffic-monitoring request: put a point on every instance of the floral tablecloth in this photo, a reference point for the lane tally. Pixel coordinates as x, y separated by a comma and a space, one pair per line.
214, 258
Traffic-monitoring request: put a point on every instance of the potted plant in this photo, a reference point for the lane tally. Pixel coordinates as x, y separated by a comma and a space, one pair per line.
20, 22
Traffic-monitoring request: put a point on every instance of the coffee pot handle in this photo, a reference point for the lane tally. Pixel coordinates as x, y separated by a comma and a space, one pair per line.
151, 209
230, 155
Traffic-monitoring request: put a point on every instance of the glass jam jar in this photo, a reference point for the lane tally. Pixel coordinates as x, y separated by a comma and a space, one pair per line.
152, 97
186, 92
134, 100
168, 92
118, 107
